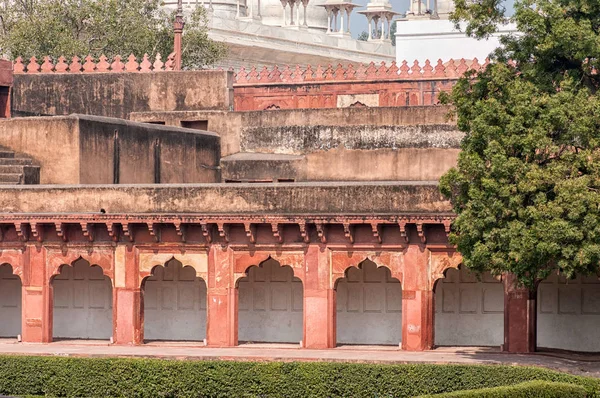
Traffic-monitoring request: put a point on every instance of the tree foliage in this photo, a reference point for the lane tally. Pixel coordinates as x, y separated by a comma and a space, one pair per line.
110, 27
364, 36
527, 185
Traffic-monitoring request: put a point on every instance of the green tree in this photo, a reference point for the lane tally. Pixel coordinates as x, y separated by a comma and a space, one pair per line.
110, 27
364, 36
527, 185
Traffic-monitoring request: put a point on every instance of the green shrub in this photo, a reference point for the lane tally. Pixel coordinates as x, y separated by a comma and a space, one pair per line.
100, 377
530, 389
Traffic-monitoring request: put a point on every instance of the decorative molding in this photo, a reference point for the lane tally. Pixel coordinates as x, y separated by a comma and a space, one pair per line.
127, 231
88, 231
180, 230
376, 228
250, 231
452, 69
37, 232
90, 66
276, 232
349, 232
61, 230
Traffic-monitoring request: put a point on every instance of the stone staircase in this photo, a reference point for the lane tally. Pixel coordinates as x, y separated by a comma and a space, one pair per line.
17, 170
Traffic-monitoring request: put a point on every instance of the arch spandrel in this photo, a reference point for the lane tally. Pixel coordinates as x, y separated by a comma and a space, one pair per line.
15, 259
104, 259
341, 261
243, 261
440, 263
198, 261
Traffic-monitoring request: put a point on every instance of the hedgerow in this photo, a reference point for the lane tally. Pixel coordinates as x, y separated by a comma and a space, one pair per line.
103, 377
530, 389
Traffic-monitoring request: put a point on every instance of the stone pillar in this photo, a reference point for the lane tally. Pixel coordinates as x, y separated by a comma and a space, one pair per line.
283, 4
328, 20
417, 300
304, 4
36, 303
520, 317
222, 300
319, 300
370, 29
127, 299
348, 12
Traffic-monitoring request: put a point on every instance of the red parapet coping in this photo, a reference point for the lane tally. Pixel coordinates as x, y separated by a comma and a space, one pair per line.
452, 69
91, 66
449, 70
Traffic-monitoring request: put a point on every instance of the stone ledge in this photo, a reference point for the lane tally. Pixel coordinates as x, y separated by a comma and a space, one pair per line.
348, 198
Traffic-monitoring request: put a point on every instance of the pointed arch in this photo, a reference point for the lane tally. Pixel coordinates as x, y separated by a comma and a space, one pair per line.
15, 258
104, 259
10, 301
148, 261
270, 303
244, 261
342, 261
82, 301
368, 305
174, 302
442, 262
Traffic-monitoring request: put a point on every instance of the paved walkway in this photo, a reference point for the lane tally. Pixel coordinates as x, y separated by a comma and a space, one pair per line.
576, 364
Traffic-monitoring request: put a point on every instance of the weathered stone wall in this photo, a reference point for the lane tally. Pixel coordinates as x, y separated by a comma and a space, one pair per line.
117, 94
340, 87
404, 143
308, 139
308, 198
229, 125
81, 149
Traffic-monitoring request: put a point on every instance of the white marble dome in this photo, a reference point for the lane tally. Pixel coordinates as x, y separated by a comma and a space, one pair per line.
272, 14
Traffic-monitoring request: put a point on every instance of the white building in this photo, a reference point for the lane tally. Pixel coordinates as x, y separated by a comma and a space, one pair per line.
288, 32
426, 33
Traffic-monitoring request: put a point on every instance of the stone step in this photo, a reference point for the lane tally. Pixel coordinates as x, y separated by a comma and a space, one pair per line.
8, 183
18, 168
11, 177
6, 154
15, 161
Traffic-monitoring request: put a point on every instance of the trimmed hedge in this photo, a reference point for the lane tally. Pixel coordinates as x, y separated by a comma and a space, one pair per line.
100, 377
530, 389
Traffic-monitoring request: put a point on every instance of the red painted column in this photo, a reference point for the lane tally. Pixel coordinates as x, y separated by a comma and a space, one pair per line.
520, 317
222, 300
36, 326
127, 298
319, 300
417, 300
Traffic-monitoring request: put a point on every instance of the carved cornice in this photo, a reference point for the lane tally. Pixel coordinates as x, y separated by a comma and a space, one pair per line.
117, 224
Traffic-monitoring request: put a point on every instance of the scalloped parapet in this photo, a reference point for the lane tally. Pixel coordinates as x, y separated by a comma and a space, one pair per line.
92, 65
452, 69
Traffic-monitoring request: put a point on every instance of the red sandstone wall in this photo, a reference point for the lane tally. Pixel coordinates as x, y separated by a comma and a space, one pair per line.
339, 87
299, 88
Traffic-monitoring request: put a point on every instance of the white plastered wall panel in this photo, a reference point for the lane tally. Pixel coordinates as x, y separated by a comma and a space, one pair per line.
568, 313
174, 304
10, 302
369, 306
469, 311
270, 305
82, 303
